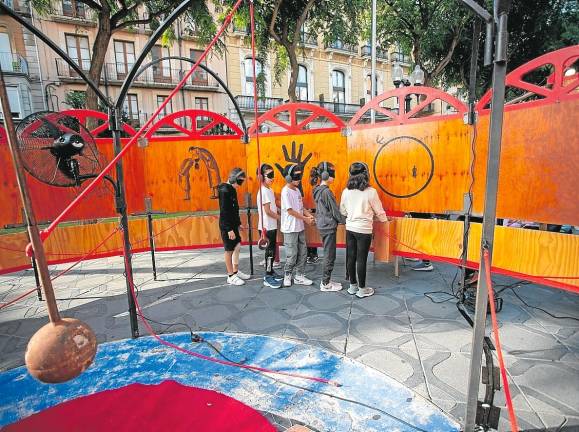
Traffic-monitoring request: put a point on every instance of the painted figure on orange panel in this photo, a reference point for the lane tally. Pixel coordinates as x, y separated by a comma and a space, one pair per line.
199, 154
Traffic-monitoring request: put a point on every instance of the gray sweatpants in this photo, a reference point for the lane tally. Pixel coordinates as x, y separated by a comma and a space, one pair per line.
329, 242
296, 252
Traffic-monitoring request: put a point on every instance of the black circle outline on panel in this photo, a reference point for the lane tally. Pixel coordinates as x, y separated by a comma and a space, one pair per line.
431, 167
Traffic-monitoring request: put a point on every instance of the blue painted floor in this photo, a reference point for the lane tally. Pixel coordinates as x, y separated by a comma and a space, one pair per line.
368, 400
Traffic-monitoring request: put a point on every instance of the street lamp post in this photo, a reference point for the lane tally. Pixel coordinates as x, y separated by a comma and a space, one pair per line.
416, 78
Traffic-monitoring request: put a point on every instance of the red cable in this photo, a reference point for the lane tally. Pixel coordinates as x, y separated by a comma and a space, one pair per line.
255, 113
212, 359
46, 232
92, 251
62, 272
512, 417
3, 305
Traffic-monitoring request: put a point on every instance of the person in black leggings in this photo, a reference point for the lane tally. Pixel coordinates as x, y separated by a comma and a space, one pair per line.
360, 204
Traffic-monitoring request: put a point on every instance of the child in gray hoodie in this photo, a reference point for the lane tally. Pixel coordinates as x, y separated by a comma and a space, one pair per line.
328, 217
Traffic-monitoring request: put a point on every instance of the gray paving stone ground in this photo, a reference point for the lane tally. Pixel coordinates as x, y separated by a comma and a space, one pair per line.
399, 331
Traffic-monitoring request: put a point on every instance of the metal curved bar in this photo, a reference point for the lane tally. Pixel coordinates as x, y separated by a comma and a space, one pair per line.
56, 49
147, 48
210, 72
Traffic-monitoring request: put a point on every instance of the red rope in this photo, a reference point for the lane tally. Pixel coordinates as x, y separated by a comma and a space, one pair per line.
93, 184
255, 113
164, 230
91, 252
213, 359
26, 294
512, 417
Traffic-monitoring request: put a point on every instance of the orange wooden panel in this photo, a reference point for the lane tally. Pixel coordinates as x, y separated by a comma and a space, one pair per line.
163, 160
528, 254
539, 167
330, 146
416, 167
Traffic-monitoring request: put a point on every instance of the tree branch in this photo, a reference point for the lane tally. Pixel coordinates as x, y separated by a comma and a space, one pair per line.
408, 24
446, 60
272, 32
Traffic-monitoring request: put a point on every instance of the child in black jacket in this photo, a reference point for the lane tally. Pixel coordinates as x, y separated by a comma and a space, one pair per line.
229, 223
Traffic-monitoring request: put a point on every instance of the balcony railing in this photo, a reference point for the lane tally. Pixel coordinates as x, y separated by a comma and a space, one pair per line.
339, 108
380, 53
338, 45
308, 39
13, 63
397, 57
79, 14
159, 75
263, 103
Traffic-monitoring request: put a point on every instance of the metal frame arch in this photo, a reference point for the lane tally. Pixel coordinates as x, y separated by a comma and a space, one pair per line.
194, 133
559, 90
83, 114
210, 72
295, 127
401, 93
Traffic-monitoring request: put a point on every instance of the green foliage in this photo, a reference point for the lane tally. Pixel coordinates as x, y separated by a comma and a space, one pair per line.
276, 34
536, 27
75, 99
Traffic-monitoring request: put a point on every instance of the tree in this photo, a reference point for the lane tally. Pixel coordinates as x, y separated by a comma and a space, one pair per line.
429, 29
115, 15
439, 34
280, 29
531, 35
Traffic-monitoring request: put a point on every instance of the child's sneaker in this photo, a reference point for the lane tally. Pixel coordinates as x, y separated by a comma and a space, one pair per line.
277, 276
422, 266
235, 280
353, 289
287, 280
330, 286
270, 281
365, 292
302, 280
242, 275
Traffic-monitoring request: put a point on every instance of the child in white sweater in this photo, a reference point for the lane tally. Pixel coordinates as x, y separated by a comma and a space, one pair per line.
360, 204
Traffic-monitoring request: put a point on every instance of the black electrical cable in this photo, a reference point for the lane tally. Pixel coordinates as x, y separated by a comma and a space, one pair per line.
541, 309
195, 338
392, 416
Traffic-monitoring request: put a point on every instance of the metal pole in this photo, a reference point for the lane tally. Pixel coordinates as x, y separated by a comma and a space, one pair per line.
373, 90
149, 209
501, 10
249, 231
37, 246
121, 204
36, 277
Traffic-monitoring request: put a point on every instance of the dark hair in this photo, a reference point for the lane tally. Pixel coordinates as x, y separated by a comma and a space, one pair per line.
359, 176
316, 172
315, 176
263, 168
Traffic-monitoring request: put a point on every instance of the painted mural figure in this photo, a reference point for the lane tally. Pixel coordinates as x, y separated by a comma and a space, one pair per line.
199, 154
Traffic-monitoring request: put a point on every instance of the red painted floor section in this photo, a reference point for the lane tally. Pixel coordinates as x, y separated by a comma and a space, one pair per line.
168, 406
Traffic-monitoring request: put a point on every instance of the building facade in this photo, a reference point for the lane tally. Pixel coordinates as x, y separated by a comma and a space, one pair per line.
19, 63
336, 77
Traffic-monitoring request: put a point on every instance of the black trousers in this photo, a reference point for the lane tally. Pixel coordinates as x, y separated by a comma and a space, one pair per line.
357, 249
329, 242
270, 251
